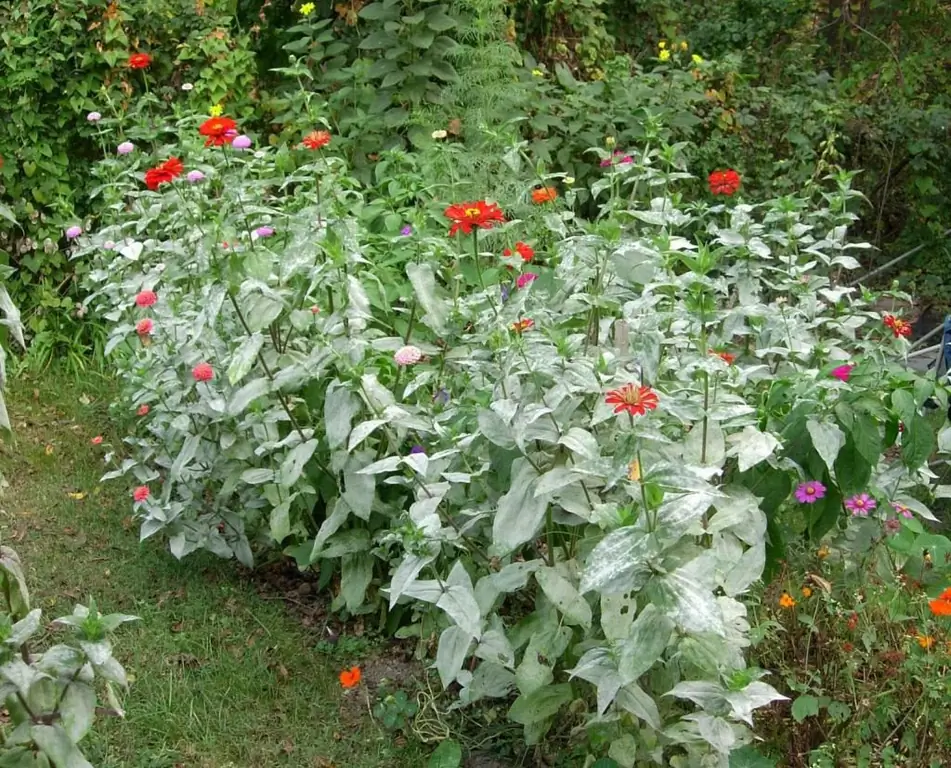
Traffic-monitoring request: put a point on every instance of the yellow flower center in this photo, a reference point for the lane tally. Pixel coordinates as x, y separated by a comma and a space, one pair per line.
472, 212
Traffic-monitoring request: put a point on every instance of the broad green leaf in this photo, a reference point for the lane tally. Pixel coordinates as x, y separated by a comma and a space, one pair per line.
295, 461
620, 562
748, 757
645, 644
406, 574
917, 442
751, 446
78, 710
689, 596
805, 706
429, 296
260, 311
247, 394
55, 744
564, 596
244, 357
540, 705
447, 755
519, 514
362, 431
633, 698
827, 439
340, 406
185, 455
280, 521
257, 476
356, 573
454, 643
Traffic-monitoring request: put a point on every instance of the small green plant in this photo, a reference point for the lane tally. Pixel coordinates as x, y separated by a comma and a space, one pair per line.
394, 710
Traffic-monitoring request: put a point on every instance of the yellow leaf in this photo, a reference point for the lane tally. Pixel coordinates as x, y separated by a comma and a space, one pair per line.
78, 495
49, 450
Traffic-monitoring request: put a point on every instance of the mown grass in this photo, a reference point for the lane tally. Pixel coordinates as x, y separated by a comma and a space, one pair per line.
223, 678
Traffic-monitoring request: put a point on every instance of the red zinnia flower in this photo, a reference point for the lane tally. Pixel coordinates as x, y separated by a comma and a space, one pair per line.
350, 677
724, 182
316, 140
544, 195
481, 214
635, 400
143, 410
97, 440
168, 171
141, 493
145, 298
139, 61
523, 249
217, 130
203, 372
727, 357
144, 326
525, 324
899, 327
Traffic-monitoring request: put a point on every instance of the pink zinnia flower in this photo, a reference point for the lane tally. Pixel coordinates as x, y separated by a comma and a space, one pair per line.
143, 410
145, 298
264, 231
860, 504
194, 176
902, 510
125, 148
408, 355
97, 440
141, 493
810, 492
525, 279
842, 373
73, 232
144, 326
203, 372
241, 142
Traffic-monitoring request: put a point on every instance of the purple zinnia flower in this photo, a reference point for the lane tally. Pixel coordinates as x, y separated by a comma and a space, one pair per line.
505, 293
194, 176
860, 504
406, 231
125, 148
810, 492
525, 278
417, 449
73, 232
94, 117
264, 231
241, 142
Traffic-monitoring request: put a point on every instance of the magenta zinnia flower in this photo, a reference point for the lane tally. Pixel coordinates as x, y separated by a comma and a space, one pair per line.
860, 504
842, 373
810, 492
525, 278
901, 509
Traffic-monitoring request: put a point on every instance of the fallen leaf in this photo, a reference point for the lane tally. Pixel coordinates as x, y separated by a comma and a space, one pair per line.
49, 450
78, 495
178, 626
287, 746
85, 399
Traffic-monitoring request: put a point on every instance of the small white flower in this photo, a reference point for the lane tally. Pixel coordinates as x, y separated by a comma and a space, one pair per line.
440, 134
94, 117
187, 86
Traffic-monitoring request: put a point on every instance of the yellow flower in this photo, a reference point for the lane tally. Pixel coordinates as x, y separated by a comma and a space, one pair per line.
683, 45
664, 55
610, 141
538, 73
807, 592
696, 59
634, 471
787, 601
662, 44
216, 110
306, 9
925, 641
823, 552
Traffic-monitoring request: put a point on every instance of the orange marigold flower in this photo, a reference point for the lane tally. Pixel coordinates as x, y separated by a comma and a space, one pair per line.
525, 324
787, 601
466, 216
925, 641
635, 400
807, 591
218, 130
941, 605
316, 139
139, 61
544, 195
350, 677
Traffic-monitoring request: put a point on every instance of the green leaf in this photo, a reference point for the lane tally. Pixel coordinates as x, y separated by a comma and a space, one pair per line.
805, 706
645, 644
827, 439
564, 596
244, 357
356, 573
294, 462
620, 562
7, 213
429, 296
852, 469
447, 755
917, 441
904, 404
748, 757
55, 744
541, 704
519, 514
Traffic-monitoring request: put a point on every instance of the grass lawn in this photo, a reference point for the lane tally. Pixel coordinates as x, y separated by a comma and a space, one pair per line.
222, 676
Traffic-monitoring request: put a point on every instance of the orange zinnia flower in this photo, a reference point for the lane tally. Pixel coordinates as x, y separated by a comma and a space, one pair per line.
807, 591
635, 400
139, 61
941, 605
787, 601
316, 140
525, 324
544, 195
481, 214
350, 677
925, 641
219, 130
